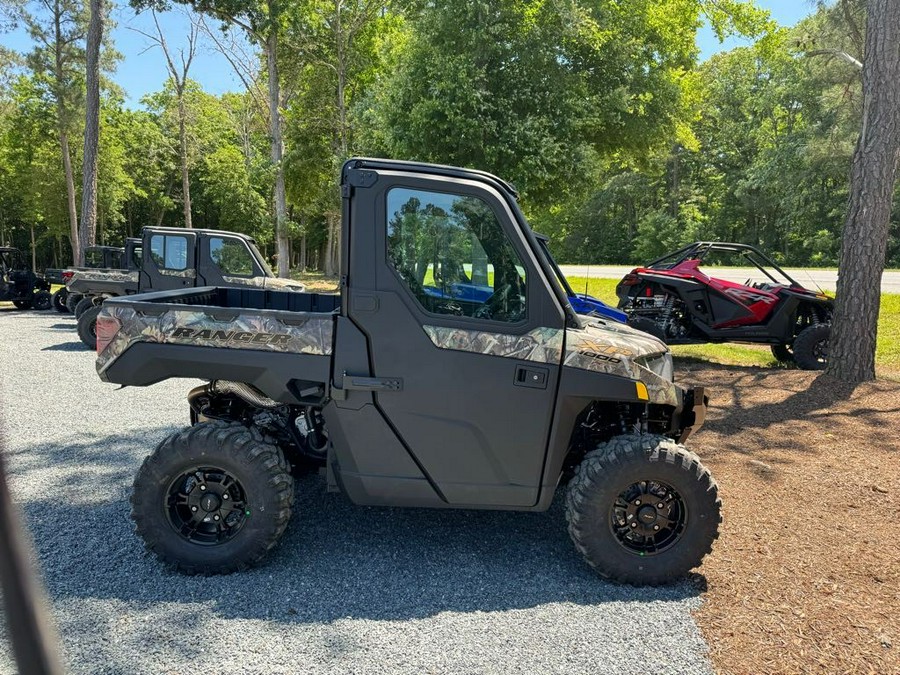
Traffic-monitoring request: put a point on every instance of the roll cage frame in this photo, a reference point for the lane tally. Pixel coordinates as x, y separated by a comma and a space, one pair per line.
700, 249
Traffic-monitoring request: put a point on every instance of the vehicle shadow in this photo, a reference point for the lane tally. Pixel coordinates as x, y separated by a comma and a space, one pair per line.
335, 560
67, 347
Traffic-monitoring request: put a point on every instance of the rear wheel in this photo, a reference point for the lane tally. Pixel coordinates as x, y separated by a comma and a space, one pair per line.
642, 510
72, 301
214, 498
87, 327
783, 353
83, 305
59, 301
647, 326
811, 347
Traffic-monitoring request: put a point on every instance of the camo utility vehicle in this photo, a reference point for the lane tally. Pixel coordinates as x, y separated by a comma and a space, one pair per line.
96, 258
411, 398
170, 259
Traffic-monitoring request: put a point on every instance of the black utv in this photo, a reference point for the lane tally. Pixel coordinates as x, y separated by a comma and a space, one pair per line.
19, 284
410, 398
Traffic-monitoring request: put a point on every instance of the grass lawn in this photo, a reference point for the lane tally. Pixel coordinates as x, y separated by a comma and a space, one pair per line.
887, 357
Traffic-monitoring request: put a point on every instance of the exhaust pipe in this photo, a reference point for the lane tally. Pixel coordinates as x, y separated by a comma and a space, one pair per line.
247, 393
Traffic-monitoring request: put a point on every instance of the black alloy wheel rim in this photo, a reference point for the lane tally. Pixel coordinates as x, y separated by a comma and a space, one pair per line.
207, 506
648, 518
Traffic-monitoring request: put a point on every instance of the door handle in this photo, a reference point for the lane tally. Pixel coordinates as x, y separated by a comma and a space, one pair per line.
364, 383
533, 377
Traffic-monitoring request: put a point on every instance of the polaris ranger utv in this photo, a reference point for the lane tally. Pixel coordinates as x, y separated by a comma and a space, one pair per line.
105, 258
412, 399
173, 258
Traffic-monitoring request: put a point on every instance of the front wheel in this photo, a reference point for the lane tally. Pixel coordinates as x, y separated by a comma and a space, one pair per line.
214, 498
42, 300
22, 303
642, 510
811, 347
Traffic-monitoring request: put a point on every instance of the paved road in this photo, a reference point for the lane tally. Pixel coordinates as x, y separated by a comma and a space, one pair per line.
825, 279
349, 590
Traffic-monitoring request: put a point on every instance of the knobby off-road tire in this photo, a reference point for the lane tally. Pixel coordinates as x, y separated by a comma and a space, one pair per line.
83, 305
59, 301
783, 353
260, 480
72, 301
42, 300
648, 326
87, 326
654, 471
811, 347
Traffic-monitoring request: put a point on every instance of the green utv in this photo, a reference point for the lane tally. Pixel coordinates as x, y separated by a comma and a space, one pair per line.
166, 258
409, 392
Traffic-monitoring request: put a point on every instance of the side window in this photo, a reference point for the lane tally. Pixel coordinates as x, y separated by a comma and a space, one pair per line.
453, 255
231, 256
115, 259
93, 258
169, 251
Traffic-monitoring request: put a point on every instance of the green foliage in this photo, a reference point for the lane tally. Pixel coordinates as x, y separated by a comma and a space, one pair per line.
622, 145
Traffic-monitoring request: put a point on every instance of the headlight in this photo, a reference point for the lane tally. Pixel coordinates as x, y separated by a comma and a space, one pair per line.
660, 365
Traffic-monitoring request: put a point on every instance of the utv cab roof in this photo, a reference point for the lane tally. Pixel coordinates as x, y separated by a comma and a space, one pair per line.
183, 230
422, 167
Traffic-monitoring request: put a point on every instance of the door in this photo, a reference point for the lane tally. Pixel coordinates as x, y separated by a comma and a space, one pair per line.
454, 305
225, 261
168, 261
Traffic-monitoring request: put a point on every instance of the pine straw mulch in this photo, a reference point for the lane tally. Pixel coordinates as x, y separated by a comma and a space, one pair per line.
806, 574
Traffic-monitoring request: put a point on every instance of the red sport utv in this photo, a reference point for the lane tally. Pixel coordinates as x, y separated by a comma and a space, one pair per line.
674, 300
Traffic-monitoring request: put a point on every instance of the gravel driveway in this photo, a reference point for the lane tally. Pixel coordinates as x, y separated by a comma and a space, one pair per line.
350, 589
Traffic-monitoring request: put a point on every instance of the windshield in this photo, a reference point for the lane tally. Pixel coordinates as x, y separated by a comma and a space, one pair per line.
262, 260
10, 260
560, 277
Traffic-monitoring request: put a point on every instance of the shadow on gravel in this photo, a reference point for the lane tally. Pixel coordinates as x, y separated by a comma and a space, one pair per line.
64, 326
336, 560
67, 347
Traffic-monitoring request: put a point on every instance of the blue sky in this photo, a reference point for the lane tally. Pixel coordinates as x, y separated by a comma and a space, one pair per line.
143, 70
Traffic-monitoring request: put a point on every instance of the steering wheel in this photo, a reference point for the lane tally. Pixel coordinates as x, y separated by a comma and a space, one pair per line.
493, 307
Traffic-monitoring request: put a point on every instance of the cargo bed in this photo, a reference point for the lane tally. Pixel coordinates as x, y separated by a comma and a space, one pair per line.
206, 332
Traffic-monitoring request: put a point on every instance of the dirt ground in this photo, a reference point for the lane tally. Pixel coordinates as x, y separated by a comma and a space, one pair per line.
806, 574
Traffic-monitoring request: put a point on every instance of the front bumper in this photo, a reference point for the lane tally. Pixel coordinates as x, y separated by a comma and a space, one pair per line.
691, 414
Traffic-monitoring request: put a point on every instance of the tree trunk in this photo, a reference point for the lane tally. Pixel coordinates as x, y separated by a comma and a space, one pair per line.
74, 239
303, 253
872, 176
185, 177
33, 250
330, 269
277, 153
91, 128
